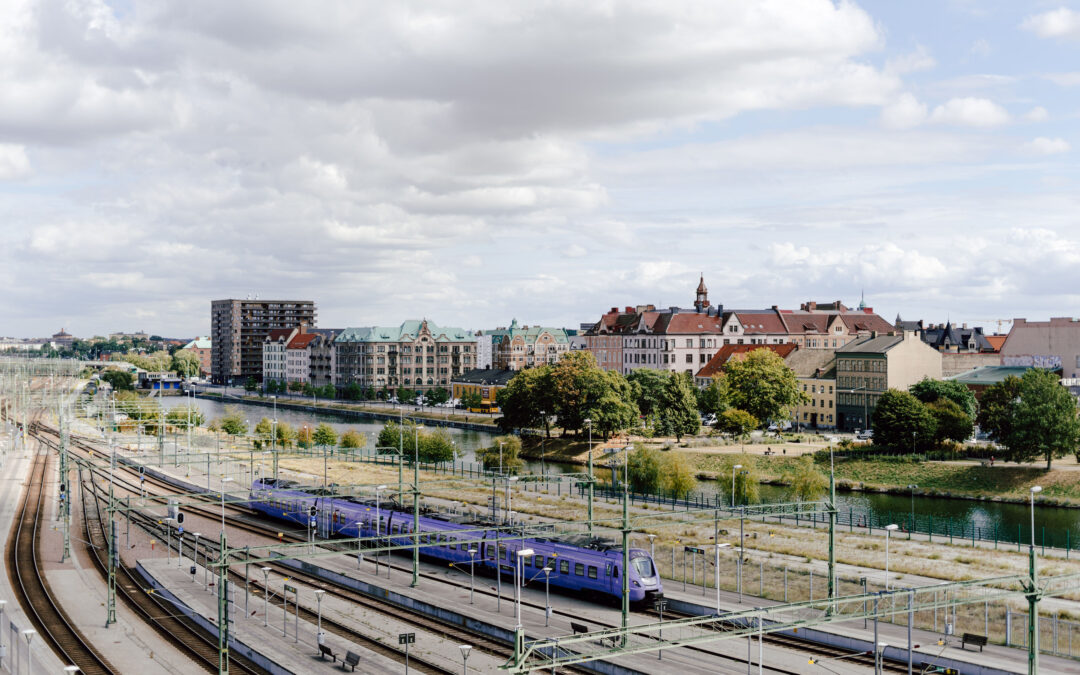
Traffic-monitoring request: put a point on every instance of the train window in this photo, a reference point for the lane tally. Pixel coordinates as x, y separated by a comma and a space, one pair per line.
502, 551
453, 544
539, 562
579, 569
527, 560
592, 572
564, 567
615, 572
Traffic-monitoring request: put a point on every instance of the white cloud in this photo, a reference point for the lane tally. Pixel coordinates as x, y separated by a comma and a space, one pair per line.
1047, 146
980, 48
574, 251
912, 62
1064, 79
1037, 114
1061, 22
903, 113
13, 162
970, 111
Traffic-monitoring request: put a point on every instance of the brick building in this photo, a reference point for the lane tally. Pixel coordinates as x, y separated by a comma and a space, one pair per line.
239, 329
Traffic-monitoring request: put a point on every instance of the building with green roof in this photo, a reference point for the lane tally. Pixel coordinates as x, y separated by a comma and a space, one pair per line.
418, 355
519, 347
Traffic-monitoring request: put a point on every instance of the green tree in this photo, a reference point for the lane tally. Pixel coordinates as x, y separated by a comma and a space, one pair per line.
901, 421
251, 385
353, 439
763, 385
119, 380
1044, 420
471, 400
950, 421
524, 396
644, 470
679, 414
438, 396
807, 482
309, 389
577, 386
677, 476
232, 422
648, 389
615, 409
928, 391
489, 457
736, 423
181, 416
285, 434
436, 446
405, 395
327, 391
324, 436
393, 437
713, 399
352, 392
996, 411
747, 483
185, 363
305, 437
265, 430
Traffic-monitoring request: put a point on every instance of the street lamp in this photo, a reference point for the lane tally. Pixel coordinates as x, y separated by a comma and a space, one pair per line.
733, 469
652, 547
319, 637
716, 572
889, 529
266, 595
911, 525
547, 597
518, 578
472, 562
29, 634
465, 649
1035, 489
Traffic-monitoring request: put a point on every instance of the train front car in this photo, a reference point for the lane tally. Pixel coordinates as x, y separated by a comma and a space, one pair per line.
645, 583
281, 500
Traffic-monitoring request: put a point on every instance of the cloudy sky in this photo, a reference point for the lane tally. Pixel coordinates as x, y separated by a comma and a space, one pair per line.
476, 161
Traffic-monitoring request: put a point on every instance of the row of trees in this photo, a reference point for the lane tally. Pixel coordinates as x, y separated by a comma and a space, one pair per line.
410, 439
305, 388
929, 414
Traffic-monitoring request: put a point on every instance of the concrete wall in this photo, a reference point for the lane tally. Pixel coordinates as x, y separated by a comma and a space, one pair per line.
954, 364
1047, 344
911, 361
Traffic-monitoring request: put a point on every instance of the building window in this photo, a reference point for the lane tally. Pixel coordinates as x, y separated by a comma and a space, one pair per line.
689, 358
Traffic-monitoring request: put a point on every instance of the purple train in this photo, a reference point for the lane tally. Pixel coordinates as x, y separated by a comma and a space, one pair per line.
579, 563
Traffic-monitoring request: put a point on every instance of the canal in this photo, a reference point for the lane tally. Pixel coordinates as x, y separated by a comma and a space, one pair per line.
960, 518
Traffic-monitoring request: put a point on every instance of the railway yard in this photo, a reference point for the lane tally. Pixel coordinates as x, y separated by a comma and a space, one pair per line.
125, 558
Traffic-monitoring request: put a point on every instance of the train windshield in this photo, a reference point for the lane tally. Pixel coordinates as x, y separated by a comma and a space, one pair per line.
644, 567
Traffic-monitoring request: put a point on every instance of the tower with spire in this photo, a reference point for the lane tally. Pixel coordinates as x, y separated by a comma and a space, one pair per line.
701, 301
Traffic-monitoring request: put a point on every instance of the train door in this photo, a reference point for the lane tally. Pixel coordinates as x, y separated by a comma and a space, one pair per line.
609, 572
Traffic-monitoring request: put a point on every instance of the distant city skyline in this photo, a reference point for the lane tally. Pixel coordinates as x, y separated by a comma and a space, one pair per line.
477, 162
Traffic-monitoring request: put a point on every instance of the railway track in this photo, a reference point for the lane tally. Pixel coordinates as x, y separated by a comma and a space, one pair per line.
32, 588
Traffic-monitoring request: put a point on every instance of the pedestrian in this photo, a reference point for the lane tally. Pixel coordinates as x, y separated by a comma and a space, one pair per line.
785, 450
991, 461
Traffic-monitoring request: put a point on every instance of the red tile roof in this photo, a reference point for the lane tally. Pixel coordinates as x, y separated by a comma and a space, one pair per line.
302, 340
996, 341
755, 323
729, 352
690, 322
279, 333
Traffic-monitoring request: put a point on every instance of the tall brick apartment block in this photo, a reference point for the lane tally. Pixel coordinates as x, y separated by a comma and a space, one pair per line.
238, 329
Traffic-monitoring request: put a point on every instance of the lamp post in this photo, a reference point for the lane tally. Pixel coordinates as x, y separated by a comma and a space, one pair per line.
465, 649
1035, 489
319, 637
29, 634
416, 506
547, 596
472, 562
652, 547
588, 423
716, 572
266, 595
509, 504
273, 438
224, 480
518, 578
1033, 600
733, 469
889, 529
911, 525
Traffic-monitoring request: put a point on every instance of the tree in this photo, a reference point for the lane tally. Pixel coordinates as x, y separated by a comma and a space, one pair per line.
327, 391
577, 386
352, 392
648, 388
808, 483
763, 385
185, 363
438, 396
929, 391
436, 446
615, 409
996, 411
471, 400
644, 469
405, 395
393, 436
324, 436
285, 434
901, 421
119, 380
1044, 422
304, 437
309, 389
524, 396
676, 475
250, 385
679, 414
181, 416
713, 399
736, 423
353, 440
950, 421
265, 429
746, 479
232, 422
510, 454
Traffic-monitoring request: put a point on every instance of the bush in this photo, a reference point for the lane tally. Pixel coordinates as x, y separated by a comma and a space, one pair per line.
353, 439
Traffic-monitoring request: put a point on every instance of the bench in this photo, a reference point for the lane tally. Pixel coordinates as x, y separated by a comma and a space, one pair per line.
325, 651
973, 639
351, 660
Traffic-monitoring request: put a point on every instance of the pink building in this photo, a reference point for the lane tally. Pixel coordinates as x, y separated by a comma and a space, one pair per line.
1052, 345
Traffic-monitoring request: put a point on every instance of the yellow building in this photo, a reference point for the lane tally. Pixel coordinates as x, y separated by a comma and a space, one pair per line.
816, 373
486, 383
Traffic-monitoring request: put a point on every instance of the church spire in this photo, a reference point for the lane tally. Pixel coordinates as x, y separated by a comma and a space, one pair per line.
701, 300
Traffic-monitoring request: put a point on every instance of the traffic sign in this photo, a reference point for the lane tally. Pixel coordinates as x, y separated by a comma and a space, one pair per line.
180, 529
290, 589
693, 549
406, 638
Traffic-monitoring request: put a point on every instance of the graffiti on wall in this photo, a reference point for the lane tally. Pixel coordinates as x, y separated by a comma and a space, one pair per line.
1046, 362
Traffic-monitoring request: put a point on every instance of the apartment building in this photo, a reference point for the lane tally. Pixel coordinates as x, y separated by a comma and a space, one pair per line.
418, 355
519, 347
239, 329
300, 354
201, 348
868, 366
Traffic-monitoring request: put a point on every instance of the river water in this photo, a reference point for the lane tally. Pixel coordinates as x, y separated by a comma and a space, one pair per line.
962, 517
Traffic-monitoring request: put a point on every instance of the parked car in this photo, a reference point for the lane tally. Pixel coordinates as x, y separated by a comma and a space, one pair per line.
864, 434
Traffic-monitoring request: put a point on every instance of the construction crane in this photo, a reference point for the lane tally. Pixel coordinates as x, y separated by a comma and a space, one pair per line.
999, 323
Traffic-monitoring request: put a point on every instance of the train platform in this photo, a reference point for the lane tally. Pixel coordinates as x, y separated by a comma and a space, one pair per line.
286, 643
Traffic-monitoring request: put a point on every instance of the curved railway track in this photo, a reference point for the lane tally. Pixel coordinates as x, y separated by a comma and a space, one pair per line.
32, 588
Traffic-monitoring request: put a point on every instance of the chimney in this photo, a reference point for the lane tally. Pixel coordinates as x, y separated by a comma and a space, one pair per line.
873, 334
964, 326
614, 310
629, 309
